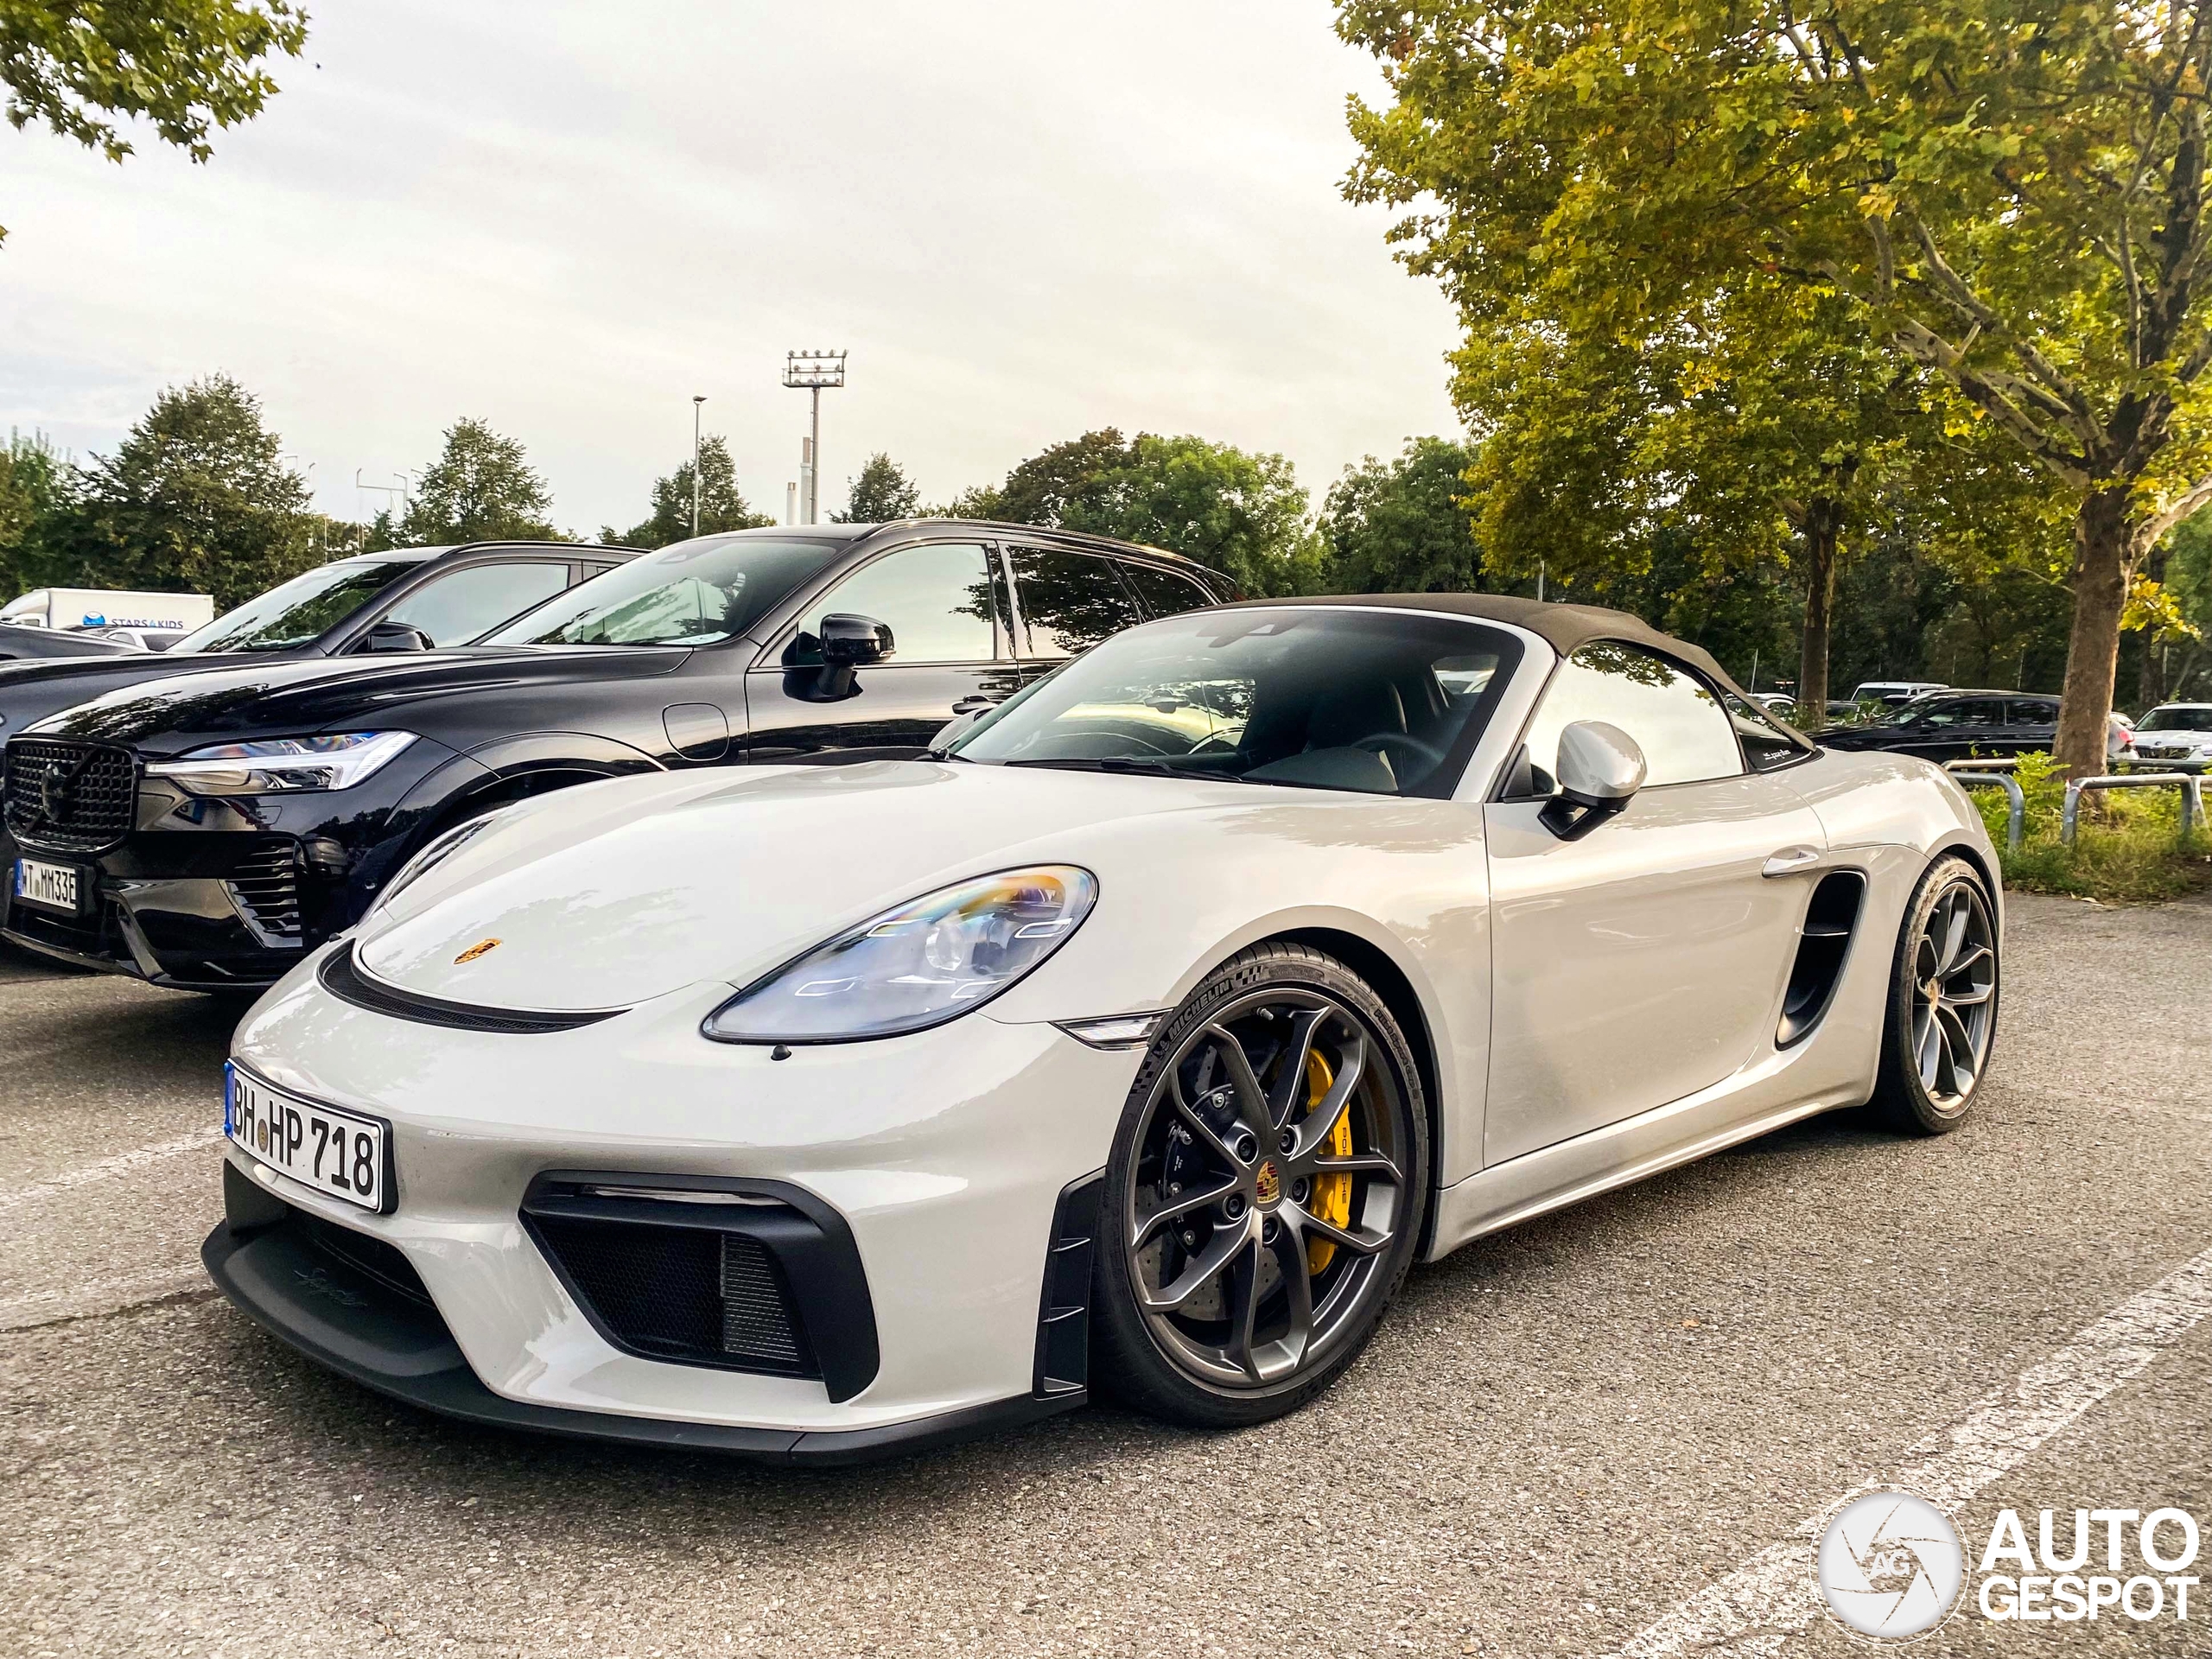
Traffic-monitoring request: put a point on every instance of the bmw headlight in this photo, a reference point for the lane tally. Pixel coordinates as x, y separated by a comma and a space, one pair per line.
925, 963
274, 766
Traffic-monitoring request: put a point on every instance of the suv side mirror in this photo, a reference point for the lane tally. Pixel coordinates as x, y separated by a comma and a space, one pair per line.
855, 641
1600, 769
396, 636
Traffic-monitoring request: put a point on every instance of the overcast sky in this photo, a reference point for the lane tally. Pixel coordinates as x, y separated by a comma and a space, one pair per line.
1023, 221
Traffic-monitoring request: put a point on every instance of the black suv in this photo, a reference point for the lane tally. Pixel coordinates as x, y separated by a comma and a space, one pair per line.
204, 830
410, 599
1953, 725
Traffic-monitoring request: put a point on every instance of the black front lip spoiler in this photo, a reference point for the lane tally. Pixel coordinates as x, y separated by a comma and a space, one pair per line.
357, 1328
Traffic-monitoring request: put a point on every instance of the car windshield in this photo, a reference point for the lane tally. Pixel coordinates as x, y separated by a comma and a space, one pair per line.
696, 593
301, 611
2198, 719
1317, 698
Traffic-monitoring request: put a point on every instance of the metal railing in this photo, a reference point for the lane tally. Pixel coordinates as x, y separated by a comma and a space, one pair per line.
1971, 773
2192, 798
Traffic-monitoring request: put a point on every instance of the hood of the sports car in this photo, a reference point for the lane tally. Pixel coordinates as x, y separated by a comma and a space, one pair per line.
605, 895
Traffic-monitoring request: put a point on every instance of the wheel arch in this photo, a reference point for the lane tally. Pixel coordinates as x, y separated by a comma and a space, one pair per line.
1983, 866
1381, 971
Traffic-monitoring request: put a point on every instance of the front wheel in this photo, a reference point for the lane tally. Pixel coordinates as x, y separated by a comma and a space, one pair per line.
1941, 1021
1264, 1195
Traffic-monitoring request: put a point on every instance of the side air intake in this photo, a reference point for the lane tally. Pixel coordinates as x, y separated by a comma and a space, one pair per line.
1824, 945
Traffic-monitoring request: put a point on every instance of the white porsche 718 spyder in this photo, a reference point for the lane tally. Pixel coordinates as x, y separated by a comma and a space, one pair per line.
1140, 1036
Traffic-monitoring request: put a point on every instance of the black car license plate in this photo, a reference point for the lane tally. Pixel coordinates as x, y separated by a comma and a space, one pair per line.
57, 887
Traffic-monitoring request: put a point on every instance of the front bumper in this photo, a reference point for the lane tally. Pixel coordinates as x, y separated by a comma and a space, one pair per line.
355, 1324
2135, 760
950, 1156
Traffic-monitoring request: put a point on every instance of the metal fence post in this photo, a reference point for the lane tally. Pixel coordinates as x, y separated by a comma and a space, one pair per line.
1970, 772
2192, 798
2071, 820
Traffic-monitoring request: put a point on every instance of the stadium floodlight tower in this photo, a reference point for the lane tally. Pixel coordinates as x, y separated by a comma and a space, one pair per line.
815, 373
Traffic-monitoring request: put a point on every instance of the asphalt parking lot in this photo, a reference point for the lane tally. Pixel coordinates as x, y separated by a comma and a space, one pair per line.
1579, 1437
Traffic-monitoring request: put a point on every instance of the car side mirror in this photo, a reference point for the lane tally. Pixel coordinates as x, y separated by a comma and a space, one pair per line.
1600, 769
855, 641
396, 636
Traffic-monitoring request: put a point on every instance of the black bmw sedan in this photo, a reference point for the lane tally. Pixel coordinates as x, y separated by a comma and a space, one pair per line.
202, 831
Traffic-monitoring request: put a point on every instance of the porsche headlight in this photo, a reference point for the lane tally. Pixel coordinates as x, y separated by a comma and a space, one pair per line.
920, 965
436, 851
274, 766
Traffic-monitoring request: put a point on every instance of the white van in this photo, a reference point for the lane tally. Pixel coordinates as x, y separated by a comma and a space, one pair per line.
174, 615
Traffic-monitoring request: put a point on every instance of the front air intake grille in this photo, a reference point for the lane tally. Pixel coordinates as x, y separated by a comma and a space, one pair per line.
386, 1263
265, 886
690, 1295
69, 797
342, 977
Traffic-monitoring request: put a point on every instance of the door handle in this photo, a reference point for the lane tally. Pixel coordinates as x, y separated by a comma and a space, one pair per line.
1790, 860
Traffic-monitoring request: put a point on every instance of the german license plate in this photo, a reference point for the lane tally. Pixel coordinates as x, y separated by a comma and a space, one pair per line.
339, 1153
50, 887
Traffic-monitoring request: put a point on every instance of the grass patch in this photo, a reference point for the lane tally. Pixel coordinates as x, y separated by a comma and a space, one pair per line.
2128, 850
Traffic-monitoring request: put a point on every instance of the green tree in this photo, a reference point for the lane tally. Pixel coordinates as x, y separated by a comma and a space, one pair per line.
881, 493
196, 500
977, 501
35, 484
722, 507
184, 66
1404, 526
1080, 479
2014, 189
481, 488
1242, 514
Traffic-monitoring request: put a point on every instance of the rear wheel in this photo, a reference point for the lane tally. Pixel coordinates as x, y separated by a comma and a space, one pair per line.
1264, 1194
1941, 1021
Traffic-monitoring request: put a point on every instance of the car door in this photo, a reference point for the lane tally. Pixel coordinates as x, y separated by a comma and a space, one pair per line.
950, 652
1067, 602
465, 604
1646, 960
2032, 725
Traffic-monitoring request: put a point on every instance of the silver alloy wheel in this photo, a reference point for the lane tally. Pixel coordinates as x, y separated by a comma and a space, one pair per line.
1953, 988
1241, 1159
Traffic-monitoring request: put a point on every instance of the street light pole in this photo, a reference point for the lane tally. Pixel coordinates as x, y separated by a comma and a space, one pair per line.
814, 373
696, 403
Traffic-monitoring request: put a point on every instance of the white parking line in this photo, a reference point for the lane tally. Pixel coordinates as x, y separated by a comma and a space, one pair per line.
121, 1164
1755, 1609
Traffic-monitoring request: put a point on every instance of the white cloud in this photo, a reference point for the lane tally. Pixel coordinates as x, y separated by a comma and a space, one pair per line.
1023, 221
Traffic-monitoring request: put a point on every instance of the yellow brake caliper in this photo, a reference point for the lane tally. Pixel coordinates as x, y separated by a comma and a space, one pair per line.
1331, 1195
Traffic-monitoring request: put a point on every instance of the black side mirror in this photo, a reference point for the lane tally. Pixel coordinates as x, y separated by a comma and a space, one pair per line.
855, 641
396, 636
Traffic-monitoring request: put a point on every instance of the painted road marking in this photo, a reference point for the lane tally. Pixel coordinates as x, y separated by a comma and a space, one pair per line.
1770, 1596
93, 1297
122, 1164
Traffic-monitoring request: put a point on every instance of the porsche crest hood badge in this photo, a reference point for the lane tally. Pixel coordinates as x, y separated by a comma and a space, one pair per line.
482, 947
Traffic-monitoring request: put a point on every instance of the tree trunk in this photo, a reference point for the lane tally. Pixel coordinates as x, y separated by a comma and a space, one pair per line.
2103, 545
1823, 518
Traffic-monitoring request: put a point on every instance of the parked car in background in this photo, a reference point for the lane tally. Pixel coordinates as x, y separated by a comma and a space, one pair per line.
1953, 725
143, 638
2172, 737
1893, 691
204, 829
24, 644
410, 599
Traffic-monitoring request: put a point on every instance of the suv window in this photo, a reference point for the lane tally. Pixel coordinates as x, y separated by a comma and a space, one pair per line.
936, 600
2035, 713
1164, 593
1686, 736
1070, 601
1977, 712
467, 604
